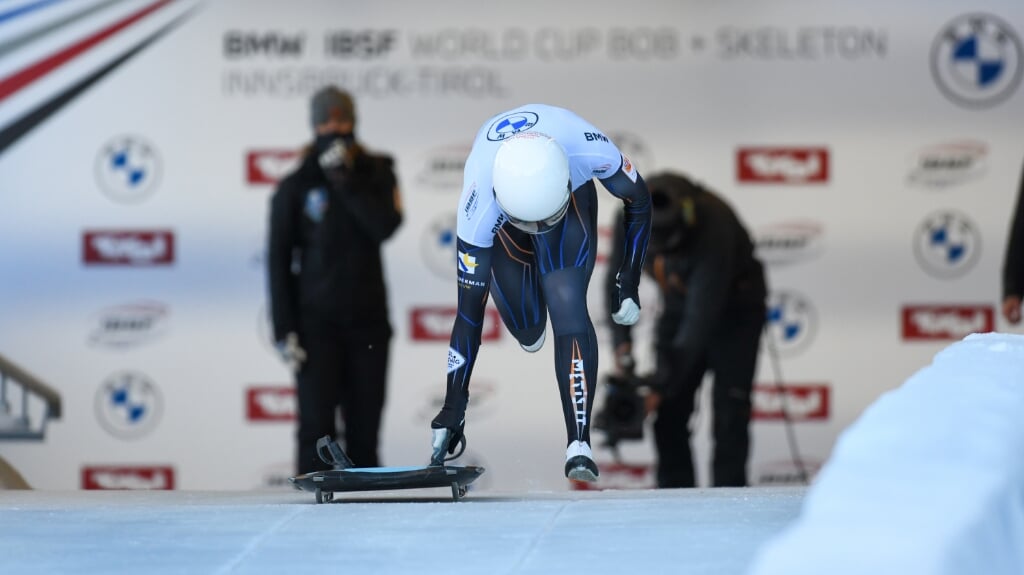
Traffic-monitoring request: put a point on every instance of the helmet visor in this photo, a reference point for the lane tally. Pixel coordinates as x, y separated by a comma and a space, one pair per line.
542, 226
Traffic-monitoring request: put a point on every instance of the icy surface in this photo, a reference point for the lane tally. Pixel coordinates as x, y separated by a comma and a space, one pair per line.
930, 480
698, 531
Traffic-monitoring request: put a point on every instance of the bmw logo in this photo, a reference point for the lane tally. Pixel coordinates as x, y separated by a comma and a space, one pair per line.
510, 124
947, 244
128, 405
127, 169
792, 322
977, 60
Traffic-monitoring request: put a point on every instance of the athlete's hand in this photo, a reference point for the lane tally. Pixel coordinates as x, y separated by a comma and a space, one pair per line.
291, 352
1011, 309
628, 314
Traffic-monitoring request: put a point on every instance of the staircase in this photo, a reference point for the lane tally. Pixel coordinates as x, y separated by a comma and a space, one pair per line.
19, 391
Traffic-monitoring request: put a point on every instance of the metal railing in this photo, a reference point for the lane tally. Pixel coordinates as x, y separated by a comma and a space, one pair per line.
17, 424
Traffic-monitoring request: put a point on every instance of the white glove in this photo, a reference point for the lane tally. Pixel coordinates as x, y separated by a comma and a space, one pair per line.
628, 313
291, 352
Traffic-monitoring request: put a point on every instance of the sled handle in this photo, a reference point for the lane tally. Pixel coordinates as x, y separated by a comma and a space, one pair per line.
331, 453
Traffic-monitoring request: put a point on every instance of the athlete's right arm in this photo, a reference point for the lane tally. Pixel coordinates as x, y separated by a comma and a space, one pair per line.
474, 280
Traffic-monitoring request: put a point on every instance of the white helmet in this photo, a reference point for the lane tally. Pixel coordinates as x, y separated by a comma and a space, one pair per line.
531, 181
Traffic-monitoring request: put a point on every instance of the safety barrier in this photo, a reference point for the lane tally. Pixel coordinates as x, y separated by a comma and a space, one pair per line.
929, 479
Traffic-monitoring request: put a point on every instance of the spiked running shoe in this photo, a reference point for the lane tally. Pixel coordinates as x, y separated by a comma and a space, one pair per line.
579, 462
535, 346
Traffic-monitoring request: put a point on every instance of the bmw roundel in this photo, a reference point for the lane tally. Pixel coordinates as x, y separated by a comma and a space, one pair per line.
127, 169
977, 60
792, 322
510, 124
947, 244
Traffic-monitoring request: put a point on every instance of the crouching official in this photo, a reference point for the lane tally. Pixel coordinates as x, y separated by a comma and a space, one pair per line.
713, 293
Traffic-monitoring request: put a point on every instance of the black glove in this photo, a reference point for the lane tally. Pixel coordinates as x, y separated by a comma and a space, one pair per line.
448, 434
335, 151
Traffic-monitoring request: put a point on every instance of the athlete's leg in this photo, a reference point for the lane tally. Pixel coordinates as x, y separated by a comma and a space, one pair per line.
566, 257
515, 287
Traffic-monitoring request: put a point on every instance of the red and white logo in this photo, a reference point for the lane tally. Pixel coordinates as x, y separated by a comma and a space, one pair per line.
127, 477
128, 247
798, 402
946, 322
271, 403
777, 165
264, 167
435, 323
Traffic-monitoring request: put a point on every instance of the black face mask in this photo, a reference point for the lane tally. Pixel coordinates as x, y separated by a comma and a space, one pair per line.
324, 141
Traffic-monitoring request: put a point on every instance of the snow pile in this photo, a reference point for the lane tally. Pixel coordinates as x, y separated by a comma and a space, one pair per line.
929, 480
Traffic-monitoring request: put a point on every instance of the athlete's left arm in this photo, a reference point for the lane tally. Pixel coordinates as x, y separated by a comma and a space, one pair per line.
627, 185
474, 280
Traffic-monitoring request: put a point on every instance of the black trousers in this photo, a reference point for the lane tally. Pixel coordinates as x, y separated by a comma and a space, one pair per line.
731, 355
346, 376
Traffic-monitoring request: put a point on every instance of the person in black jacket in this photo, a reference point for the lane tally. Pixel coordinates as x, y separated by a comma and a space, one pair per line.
714, 294
328, 295
1013, 265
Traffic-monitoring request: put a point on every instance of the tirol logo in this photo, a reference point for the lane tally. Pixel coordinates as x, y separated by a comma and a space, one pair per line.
128, 247
795, 402
263, 167
127, 477
128, 405
442, 168
789, 242
792, 322
435, 323
782, 165
947, 244
510, 124
130, 324
127, 169
948, 164
270, 403
946, 322
438, 246
976, 60
455, 360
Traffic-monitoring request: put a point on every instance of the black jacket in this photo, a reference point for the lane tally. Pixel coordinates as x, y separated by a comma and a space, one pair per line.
1013, 265
324, 260
713, 255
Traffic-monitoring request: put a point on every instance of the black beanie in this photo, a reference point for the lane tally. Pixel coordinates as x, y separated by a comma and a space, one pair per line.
332, 103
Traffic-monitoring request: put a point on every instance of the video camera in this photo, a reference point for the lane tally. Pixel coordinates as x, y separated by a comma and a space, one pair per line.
623, 414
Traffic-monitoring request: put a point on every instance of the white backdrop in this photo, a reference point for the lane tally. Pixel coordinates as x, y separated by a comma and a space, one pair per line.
849, 136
